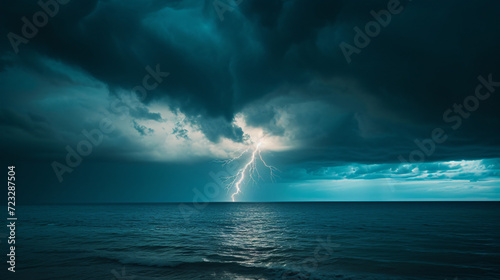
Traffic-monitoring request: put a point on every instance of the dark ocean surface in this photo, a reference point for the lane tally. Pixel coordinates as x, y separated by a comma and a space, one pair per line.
424, 240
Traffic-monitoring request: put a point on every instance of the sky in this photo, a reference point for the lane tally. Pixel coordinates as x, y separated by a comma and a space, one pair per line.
148, 101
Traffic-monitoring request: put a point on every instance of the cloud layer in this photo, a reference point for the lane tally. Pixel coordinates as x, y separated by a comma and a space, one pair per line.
275, 66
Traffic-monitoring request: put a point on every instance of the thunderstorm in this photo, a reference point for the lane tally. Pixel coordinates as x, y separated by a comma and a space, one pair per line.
250, 169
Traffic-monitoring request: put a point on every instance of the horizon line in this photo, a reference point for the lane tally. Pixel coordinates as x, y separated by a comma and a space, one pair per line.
264, 202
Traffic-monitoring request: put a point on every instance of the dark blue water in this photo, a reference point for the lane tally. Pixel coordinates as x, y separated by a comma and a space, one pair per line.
259, 241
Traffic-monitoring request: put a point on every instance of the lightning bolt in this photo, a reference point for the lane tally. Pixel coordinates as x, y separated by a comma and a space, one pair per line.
249, 168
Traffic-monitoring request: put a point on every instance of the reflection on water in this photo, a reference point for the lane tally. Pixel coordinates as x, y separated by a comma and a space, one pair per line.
262, 241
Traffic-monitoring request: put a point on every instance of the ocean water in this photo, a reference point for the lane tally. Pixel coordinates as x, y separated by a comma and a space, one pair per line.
454, 240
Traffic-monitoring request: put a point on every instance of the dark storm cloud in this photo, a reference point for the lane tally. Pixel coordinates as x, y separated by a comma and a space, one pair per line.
426, 60
280, 60
30, 124
216, 128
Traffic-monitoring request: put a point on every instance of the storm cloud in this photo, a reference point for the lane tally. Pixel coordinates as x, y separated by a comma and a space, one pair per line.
269, 68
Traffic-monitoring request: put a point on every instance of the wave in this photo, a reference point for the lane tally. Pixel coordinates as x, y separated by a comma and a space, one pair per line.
203, 264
